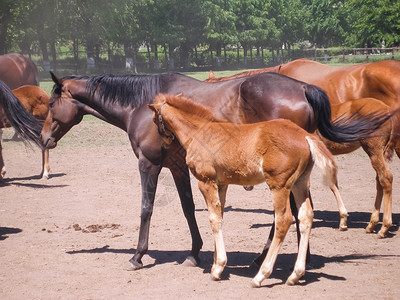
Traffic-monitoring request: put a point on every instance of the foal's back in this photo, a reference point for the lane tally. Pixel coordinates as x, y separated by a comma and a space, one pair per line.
248, 154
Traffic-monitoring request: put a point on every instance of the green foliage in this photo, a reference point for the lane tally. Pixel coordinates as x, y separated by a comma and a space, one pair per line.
103, 28
373, 22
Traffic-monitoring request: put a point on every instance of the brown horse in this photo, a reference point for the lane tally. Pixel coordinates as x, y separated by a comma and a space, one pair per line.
24, 123
277, 152
36, 101
17, 70
378, 80
380, 149
121, 101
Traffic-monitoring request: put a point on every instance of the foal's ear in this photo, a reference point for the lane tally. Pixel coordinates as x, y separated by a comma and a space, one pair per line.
152, 107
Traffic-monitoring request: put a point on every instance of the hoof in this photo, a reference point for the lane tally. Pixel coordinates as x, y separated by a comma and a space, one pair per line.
382, 234
255, 284
369, 228
191, 262
215, 278
3, 172
134, 265
290, 282
343, 228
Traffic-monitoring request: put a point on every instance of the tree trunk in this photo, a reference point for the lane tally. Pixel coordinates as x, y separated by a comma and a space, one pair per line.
5, 17
76, 54
54, 55
156, 61
171, 60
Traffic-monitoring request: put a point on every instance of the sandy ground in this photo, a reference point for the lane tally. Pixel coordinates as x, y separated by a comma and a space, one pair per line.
71, 237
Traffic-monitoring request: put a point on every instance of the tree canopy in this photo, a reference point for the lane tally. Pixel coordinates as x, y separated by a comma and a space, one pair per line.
45, 26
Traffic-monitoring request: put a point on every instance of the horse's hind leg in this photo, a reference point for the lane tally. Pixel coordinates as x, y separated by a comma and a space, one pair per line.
2, 166
305, 216
384, 180
180, 173
342, 209
259, 260
215, 208
149, 177
283, 220
45, 164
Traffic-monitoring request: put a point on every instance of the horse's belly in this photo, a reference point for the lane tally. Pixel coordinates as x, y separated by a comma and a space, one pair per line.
240, 176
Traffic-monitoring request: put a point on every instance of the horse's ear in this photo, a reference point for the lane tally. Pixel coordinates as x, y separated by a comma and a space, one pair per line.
55, 78
152, 107
211, 75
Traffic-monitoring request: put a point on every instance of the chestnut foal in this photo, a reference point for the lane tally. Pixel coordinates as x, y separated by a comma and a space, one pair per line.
220, 153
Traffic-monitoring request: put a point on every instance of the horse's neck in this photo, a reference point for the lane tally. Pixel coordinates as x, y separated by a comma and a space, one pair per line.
93, 105
183, 125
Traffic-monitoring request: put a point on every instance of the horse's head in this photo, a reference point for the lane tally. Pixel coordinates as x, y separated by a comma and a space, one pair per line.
64, 112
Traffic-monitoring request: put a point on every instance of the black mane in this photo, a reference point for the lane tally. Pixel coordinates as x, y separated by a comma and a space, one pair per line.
126, 90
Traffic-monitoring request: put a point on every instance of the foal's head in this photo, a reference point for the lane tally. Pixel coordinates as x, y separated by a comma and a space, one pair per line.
166, 105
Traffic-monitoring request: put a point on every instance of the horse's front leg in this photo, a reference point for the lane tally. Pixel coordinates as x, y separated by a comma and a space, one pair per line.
210, 192
45, 164
180, 173
149, 177
283, 220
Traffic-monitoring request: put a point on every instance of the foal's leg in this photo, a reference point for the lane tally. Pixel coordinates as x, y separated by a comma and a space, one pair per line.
259, 260
182, 182
283, 220
384, 180
45, 164
210, 192
149, 178
305, 216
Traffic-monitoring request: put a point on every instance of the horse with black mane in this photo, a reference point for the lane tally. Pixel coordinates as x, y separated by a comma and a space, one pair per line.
122, 101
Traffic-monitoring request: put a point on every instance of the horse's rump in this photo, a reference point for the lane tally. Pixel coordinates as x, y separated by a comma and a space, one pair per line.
17, 70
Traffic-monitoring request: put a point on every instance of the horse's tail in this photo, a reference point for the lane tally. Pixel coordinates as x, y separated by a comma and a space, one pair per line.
393, 143
25, 124
397, 148
345, 128
324, 159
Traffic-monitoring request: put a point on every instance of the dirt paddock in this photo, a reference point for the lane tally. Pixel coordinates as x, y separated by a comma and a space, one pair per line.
70, 237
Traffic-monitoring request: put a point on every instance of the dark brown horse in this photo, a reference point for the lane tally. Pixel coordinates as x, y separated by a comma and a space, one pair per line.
36, 101
17, 70
121, 101
376, 81
24, 123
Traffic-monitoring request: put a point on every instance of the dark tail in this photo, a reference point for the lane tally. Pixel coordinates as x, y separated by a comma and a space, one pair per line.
25, 124
345, 128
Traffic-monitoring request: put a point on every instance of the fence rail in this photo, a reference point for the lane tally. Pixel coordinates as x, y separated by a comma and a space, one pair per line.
231, 58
